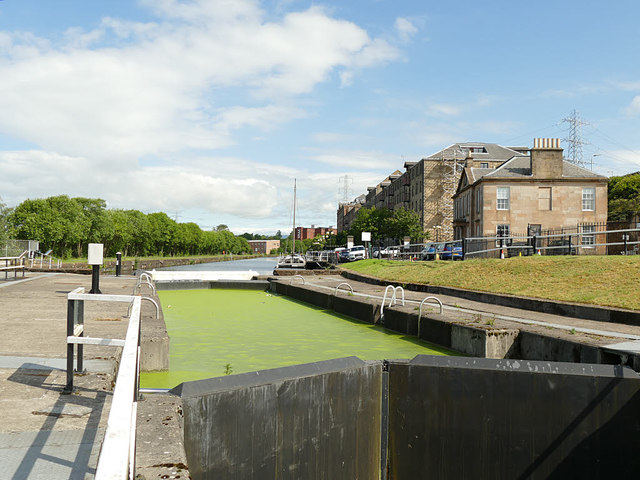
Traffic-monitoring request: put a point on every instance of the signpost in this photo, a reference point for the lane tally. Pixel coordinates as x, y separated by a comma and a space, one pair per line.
95, 260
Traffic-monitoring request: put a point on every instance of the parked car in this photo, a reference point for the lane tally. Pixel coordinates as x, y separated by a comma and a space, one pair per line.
343, 255
357, 252
376, 252
432, 250
452, 251
389, 252
425, 251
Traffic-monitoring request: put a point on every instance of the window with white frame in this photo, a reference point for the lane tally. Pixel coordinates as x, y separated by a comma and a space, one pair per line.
502, 202
588, 236
589, 198
478, 199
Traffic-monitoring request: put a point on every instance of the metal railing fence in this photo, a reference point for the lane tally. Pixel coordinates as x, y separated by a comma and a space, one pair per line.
117, 455
586, 239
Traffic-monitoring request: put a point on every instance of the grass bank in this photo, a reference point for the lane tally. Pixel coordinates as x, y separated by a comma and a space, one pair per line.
603, 280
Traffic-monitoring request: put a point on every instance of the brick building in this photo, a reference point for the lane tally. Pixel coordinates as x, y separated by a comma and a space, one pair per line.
529, 193
303, 233
263, 247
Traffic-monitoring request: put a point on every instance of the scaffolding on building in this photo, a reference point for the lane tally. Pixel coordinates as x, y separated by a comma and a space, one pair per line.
451, 166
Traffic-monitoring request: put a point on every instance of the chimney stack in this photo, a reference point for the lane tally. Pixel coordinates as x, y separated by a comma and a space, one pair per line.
546, 158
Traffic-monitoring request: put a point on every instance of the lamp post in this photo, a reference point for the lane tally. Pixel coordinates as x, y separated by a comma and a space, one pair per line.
594, 155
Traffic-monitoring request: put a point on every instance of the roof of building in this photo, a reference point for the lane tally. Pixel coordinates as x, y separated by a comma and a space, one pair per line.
478, 150
520, 166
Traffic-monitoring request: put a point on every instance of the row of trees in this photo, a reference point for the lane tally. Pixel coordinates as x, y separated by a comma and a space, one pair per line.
67, 225
388, 226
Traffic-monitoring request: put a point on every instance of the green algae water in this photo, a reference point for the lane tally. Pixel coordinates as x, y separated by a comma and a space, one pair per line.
218, 332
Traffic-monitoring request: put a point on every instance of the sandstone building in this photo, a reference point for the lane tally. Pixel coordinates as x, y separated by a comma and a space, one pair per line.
528, 194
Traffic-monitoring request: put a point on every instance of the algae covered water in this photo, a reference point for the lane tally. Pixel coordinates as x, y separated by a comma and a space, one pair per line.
219, 332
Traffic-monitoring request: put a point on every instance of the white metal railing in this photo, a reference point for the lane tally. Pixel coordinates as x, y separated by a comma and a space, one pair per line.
296, 276
117, 455
420, 309
38, 261
341, 284
394, 298
12, 263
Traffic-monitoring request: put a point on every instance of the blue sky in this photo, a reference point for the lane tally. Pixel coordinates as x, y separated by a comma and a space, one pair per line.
208, 109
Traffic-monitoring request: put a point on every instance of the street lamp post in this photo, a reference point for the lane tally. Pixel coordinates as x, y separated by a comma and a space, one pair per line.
594, 155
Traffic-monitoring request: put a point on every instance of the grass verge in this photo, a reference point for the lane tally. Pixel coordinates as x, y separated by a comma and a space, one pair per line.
597, 280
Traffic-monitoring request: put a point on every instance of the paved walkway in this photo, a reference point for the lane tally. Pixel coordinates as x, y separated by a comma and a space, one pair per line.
45, 434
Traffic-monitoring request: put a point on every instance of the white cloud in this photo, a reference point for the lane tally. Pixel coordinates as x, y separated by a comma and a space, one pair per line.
634, 107
354, 159
173, 92
159, 92
443, 109
405, 28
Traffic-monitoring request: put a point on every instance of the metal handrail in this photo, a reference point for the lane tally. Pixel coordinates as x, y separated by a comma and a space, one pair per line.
420, 310
117, 454
145, 276
140, 284
343, 283
393, 299
150, 300
296, 276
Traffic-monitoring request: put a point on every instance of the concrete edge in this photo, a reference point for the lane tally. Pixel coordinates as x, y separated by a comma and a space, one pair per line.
472, 340
261, 377
588, 312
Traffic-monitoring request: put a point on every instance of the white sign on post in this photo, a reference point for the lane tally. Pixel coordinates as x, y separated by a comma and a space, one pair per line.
95, 254
366, 236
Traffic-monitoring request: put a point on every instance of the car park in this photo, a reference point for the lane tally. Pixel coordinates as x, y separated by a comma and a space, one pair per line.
357, 253
452, 251
389, 252
343, 254
433, 250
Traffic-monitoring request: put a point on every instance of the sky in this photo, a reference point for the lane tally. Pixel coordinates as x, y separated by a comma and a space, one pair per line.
209, 109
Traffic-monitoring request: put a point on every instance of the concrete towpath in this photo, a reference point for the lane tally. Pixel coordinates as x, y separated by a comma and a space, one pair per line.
45, 434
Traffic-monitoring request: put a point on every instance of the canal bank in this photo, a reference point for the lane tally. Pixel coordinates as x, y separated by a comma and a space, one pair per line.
36, 309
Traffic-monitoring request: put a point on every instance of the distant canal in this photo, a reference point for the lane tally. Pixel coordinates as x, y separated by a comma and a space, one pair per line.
262, 265
219, 332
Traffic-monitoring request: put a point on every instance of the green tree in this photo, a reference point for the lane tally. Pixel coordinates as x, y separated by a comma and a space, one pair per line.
5, 232
122, 234
624, 197
374, 220
162, 233
406, 223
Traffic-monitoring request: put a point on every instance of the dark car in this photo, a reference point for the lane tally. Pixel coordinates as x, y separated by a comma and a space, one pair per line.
452, 251
430, 252
343, 256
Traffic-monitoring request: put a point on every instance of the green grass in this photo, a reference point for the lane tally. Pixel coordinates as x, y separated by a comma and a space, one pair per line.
597, 280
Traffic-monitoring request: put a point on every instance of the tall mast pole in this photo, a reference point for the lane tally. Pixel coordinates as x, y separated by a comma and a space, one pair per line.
293, 246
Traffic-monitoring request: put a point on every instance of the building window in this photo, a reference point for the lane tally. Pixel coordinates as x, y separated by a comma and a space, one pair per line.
484, 164
588, 236
502, 231
589, 198
503, 198
544, 198
478, 199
